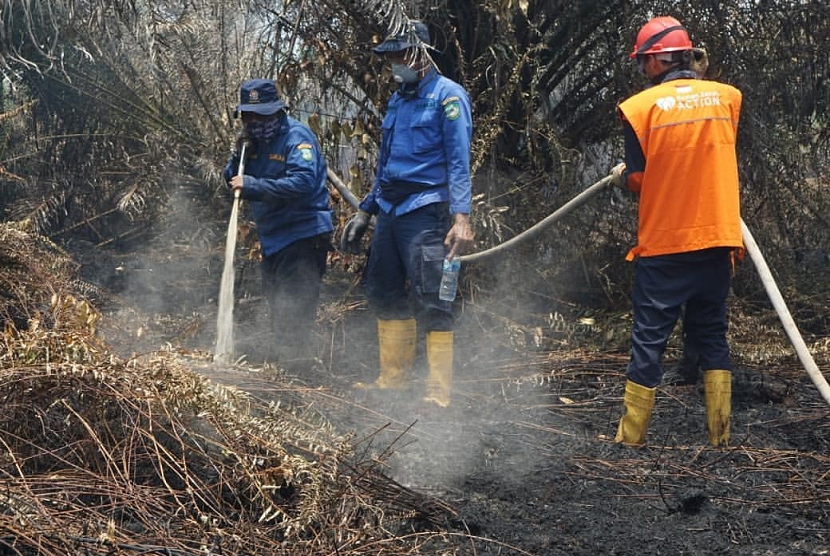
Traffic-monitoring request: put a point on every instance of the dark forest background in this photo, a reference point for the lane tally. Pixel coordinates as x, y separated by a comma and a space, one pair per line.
116, 114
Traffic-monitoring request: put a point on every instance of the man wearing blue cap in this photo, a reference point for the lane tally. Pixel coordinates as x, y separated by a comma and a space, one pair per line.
421, 196
285, 182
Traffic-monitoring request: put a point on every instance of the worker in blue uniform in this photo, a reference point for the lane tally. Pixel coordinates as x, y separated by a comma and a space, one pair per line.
421, 196
285, 182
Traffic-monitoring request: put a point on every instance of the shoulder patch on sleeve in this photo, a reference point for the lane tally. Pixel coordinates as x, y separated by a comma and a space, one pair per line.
306, 151
452, 108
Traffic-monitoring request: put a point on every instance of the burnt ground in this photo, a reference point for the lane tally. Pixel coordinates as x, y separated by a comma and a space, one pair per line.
525, 454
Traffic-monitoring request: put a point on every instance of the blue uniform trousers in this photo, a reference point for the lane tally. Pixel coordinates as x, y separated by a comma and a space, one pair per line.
663, 285
291, 281
409, 250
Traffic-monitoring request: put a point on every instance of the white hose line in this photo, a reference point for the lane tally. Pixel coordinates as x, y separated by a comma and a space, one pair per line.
537, 228
528, 234
784, 314
749, 242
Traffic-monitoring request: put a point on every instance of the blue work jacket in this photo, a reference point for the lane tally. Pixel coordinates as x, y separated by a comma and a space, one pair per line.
285, 182
426, 144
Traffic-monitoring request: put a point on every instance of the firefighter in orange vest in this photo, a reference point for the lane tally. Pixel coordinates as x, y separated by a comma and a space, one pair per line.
680, 160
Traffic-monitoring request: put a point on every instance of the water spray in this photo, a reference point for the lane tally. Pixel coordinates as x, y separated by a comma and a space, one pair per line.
223, 352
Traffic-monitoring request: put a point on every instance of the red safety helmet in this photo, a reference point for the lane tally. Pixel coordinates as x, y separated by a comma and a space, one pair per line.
661, 34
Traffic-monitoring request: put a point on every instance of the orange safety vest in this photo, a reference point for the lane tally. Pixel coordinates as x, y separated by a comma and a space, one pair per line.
689, 197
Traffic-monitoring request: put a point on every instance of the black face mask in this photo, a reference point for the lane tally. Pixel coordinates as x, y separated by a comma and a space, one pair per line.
264, 131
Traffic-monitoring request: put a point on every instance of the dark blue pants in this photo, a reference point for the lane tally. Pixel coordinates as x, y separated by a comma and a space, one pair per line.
409, 250
699, 280
291, 281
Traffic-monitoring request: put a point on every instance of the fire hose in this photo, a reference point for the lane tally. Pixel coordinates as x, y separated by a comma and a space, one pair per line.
751, 246
784, 314
530, 233
540, 226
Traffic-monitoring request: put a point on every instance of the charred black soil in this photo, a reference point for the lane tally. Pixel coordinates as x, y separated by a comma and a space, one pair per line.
523, 461
525, 455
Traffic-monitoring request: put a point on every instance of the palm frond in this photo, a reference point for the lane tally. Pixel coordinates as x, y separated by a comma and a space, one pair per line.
40, 214
17, 111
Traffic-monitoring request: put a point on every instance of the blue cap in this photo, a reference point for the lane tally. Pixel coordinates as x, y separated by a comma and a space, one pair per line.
260, 96
405, 39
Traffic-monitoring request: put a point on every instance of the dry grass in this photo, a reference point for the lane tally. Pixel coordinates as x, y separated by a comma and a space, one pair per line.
103, 455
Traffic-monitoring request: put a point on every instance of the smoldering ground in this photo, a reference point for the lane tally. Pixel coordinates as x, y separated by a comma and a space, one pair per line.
525, 454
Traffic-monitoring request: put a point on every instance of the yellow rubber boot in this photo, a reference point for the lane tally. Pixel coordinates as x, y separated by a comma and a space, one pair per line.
717, 388
638, 402
439, 358
396, 344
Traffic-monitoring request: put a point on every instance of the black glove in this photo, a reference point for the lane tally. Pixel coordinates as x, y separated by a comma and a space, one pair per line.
353, 232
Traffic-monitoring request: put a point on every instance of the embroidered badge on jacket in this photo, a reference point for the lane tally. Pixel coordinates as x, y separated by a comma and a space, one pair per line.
305, 151
452, 108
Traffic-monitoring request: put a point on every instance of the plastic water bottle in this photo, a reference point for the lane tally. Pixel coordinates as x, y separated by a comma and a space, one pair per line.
449, 279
